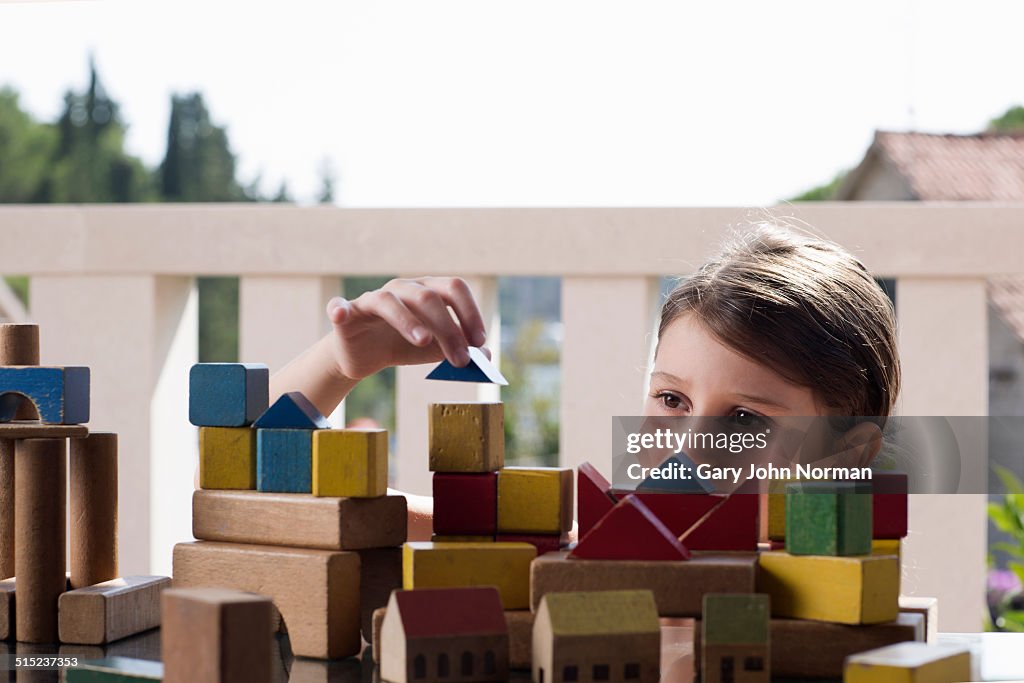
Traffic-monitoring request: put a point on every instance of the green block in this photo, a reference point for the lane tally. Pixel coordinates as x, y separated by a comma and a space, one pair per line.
115, 670
828, 518
735, 619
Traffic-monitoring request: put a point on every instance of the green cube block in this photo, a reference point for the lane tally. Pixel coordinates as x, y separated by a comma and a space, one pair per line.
828, 518
735, 619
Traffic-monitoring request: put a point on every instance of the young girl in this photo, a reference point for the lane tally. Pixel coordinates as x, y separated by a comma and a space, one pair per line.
780, 323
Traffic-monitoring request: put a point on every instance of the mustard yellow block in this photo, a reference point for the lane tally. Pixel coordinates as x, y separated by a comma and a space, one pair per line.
844, 590
350, 463
461, 539
227, 458
467, 437
451, 565
909, 663
885, 546
534, 500
777, 508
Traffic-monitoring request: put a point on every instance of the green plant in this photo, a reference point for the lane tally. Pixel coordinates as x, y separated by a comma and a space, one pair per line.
1005, 598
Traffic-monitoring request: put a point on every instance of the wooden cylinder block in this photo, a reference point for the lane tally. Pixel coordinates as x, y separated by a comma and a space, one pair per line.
6, 508
93, 478
19, 345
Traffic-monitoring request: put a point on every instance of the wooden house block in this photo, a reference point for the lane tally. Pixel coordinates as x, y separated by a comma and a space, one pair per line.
479, 369
316, 591
212, 635
594, 498
630, 532
291, 411
828, 518
467, 437
465, 504
380, 574
40, 471
115, 670
378, 624
326, 523
350, 462
544, 543
597, 636
227, 394
890, 506
6, 609
227, 458
845, 590
59, 394
6, 509
446, 634
284, 460
111, 610
455, 565
93, 503
678, 587
927, 608
735, 640
534, 500
910, 663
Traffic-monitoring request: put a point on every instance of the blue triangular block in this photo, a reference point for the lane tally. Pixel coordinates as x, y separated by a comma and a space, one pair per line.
694, 485
292, 411
479, 369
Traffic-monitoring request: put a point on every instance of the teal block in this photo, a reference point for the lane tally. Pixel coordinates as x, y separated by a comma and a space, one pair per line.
61, 395
227, 394
114, 670
828, 518
292, 411
284, 460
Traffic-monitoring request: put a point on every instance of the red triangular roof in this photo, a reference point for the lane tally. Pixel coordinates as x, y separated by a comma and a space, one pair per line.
445, 612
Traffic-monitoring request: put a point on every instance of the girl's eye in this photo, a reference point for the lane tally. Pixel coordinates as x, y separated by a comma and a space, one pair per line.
670, 401
745, 418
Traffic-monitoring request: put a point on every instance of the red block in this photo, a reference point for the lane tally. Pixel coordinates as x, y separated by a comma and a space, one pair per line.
630, 532
594, 498
680, 511
544, 543
732, 525
465, 504
889, 505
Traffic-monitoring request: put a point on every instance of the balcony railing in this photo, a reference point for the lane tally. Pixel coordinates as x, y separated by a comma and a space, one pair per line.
114, 288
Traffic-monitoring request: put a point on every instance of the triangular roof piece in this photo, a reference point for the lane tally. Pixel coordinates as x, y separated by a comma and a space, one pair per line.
630, 532
292, 411
676, 463
479, 369
448, 612
594, 498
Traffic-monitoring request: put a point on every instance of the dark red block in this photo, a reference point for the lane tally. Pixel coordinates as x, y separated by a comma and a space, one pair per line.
630, 532
890, 518
680, 511
465, 504
594, 498
544, 543
732, 525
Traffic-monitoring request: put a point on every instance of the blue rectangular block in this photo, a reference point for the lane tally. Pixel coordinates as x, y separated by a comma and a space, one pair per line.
60, 395
227, 394
284, 460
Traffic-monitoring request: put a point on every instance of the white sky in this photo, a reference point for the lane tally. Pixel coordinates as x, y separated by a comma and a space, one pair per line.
465, 103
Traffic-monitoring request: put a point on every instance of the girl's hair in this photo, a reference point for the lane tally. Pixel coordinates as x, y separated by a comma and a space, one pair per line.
806, 308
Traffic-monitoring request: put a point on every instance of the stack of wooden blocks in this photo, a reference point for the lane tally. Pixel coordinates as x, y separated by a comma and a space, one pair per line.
90, 606
291, 509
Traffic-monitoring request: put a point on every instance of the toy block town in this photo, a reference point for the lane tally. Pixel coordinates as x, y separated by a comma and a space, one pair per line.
302, 568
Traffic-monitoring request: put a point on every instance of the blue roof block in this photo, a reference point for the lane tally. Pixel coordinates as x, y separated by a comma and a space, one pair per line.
479, 369
292, 411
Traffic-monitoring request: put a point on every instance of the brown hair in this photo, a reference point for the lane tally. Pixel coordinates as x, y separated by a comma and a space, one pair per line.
803, 306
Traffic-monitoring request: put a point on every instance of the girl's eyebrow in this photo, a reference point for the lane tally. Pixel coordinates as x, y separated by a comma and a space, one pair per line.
761, 400
666, 375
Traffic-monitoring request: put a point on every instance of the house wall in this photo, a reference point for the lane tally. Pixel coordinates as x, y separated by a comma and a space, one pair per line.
881, 182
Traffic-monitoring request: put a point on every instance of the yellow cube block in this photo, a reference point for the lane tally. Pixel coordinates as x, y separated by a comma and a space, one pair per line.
227, 458
350, 463
844, 590
885, 546
452, 565
910, 663
534, 500
777, 509
467, 437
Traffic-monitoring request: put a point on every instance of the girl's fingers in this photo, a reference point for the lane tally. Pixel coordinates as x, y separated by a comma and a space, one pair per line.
387, 306
457, 294
430, 307
338, 310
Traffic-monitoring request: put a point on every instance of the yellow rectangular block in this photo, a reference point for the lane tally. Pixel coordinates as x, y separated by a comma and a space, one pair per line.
777, 509
534, 500
467, 437
451, 565
885, 546
843, 590
227, 458
909, 663
350, 463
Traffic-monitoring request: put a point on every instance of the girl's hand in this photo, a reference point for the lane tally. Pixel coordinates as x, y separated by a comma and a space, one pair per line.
405, 322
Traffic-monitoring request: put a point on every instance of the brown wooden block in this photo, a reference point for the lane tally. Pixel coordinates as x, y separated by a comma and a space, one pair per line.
111, 610
30, 429
467, 437
6, 508
93, 501
378, 621
216, 636
299, 520
678, 587
19, 345
380, 573
348, 670
6, 609
39, 517
316, 591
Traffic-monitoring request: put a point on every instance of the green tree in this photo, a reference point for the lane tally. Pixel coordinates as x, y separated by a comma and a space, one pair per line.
1012, 121
326, 194
26, 147
821, 193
